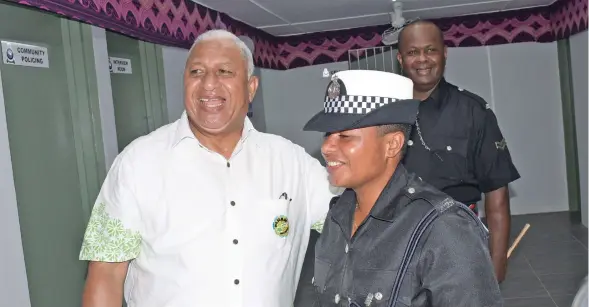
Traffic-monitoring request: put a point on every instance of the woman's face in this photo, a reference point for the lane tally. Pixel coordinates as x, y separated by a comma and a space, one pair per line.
356, 157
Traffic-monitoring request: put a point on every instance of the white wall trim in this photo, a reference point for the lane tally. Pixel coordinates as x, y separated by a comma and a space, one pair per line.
491, 84
105, 101
14, 288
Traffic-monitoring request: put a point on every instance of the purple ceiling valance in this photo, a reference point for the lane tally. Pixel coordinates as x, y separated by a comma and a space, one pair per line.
178, 22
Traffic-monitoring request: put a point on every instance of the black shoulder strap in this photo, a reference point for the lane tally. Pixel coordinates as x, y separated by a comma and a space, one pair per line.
418, 231
439, 206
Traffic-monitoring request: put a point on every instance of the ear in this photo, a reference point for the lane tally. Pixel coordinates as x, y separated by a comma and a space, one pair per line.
394, 144
445, 52
252, 87
399, 58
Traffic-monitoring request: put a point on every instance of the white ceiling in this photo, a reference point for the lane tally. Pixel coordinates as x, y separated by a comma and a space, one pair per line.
284, 17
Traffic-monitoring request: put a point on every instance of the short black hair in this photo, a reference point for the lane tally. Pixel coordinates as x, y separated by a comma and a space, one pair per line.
416, 22
405, 128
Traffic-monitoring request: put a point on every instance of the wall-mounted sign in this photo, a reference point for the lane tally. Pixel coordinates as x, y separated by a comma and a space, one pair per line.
119, 65
24, 55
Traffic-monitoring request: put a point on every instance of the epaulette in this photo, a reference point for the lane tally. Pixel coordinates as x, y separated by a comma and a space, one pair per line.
480, 101
435, 198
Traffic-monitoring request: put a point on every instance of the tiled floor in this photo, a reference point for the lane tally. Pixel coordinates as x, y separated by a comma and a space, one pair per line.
549, 263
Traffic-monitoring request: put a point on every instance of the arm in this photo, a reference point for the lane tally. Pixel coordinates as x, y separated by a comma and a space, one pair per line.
112, 237
104, 285
455, 267
494, 171
499, 220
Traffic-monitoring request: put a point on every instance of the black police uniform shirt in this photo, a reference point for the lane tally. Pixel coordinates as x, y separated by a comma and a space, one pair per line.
468, 154
451, 266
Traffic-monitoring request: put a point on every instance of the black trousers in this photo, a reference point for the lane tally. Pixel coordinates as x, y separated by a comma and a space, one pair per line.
305, 296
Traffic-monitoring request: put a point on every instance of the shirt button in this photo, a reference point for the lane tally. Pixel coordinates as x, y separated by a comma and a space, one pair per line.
235, 241
410, 143
411, 190
228, 164
347, 248
378, 296
449, 147
232, 203
236, 281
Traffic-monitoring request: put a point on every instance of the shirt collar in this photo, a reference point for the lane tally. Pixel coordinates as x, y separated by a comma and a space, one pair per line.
384, 208
439, 94
183, 130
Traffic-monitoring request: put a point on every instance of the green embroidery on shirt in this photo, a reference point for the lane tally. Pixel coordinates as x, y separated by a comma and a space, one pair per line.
108, 240
318, 226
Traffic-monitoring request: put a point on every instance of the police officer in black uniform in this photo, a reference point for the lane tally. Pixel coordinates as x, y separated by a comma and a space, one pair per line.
456, 144
390, 239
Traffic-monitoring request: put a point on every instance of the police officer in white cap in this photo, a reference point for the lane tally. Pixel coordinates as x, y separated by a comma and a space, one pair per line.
391, 239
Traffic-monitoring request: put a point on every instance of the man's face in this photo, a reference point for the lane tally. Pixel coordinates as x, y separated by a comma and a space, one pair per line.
422, 55
216, 87
360, 156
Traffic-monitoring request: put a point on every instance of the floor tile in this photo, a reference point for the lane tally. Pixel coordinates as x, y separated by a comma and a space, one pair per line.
562, 284
558, 263
518, 266
580, 233
570, 247
530, 302
563, 300
522, 287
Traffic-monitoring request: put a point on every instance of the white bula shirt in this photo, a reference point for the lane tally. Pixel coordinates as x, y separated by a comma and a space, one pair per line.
200, 230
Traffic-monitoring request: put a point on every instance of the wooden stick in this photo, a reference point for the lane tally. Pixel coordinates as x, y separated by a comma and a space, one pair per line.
516, 242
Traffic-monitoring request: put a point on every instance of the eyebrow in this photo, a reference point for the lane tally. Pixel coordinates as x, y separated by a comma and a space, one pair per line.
222, 62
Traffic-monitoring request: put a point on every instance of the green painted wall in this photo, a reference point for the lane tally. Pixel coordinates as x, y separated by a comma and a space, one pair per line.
56, 147
570, 135
56, 142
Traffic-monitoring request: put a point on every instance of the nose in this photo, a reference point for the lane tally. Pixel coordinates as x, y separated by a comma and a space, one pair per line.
421, 56
210, 81
328, 146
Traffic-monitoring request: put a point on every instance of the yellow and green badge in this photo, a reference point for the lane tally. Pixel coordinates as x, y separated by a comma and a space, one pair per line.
281, 226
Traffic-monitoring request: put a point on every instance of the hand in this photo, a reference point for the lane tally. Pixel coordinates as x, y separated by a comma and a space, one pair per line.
500, 264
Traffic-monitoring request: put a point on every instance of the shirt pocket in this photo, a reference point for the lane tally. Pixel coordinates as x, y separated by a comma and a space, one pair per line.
325, 285
274, 225
450, 157
374, 288
321, 270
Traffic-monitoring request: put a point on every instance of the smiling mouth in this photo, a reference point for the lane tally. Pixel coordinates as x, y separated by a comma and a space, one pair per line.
423, 71
333, 165
212, 103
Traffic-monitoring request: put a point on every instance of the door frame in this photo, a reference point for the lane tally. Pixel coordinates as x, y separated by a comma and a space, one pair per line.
154, 84
85, 109
570, 128
18, 288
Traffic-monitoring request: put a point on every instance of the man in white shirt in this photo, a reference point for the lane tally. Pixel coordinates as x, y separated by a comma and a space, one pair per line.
205, 211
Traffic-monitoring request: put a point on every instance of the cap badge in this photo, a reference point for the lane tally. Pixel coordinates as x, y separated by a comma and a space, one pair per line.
333, 89
281, 226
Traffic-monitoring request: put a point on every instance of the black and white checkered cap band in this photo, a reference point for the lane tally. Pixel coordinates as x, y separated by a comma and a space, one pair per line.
353, 104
